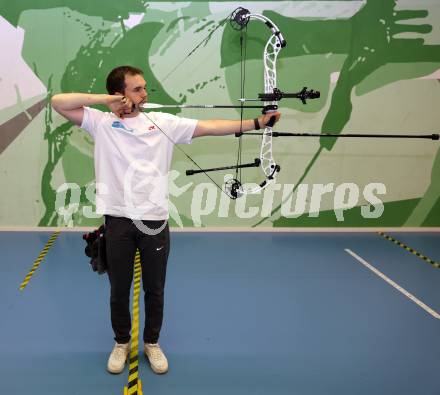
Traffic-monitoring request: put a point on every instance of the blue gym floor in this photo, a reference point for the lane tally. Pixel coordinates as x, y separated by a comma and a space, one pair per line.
246, 313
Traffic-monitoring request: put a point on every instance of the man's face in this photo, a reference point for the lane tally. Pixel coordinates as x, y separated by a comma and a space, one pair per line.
136, 89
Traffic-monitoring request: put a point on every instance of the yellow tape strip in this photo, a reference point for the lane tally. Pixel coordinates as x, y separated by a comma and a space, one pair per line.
134, 386
39, 260
411, 250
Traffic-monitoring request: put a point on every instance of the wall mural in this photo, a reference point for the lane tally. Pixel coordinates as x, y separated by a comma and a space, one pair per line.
375, 63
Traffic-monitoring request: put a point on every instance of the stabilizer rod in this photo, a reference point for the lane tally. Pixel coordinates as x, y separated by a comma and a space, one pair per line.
433, 136
256, 163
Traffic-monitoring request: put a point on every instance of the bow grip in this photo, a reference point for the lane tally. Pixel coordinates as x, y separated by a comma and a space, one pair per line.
271, 121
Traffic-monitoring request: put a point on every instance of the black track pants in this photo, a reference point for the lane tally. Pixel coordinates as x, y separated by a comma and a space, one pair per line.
122, 240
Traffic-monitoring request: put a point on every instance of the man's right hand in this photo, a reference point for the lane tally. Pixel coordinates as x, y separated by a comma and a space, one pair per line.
119, 105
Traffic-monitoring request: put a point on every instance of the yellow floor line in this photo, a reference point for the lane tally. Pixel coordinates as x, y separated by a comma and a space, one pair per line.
134, 386
39, 260
411, 250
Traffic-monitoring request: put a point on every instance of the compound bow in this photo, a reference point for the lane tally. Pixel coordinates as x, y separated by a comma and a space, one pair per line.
234, 188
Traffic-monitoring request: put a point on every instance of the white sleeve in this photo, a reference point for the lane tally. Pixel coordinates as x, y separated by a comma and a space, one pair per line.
181, 129
91, 120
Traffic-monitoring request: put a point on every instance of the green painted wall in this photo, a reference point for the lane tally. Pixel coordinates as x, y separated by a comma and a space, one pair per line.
376, 64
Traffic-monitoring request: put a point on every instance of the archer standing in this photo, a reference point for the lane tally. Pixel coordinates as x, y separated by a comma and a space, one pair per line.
132, 156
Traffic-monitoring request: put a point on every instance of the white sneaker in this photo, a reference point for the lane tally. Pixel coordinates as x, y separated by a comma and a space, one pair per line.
118, 357
158, 360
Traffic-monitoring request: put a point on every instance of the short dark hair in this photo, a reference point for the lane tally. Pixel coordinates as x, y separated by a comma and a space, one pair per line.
116, 78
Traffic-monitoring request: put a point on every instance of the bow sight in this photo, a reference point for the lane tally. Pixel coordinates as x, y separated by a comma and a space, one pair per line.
277, 95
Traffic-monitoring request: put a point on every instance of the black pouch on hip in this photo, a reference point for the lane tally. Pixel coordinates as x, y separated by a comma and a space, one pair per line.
95, 249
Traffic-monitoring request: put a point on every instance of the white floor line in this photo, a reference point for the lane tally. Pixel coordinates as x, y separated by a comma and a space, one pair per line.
393, 284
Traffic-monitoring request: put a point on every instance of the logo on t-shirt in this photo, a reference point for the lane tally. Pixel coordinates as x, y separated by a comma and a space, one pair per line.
120, 125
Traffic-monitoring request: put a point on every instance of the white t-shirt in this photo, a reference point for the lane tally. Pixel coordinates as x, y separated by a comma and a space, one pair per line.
132, 161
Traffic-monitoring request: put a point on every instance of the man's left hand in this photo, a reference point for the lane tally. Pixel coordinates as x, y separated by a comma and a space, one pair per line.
265, 118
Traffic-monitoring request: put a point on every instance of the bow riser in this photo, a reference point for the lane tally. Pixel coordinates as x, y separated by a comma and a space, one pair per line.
273, 46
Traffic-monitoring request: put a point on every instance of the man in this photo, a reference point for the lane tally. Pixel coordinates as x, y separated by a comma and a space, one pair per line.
133, 152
